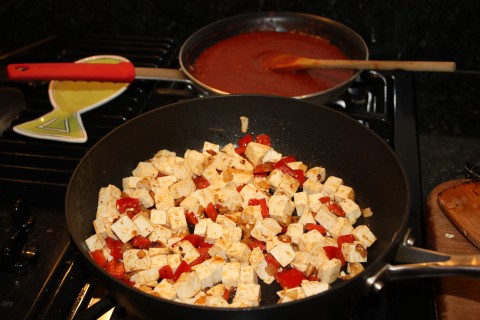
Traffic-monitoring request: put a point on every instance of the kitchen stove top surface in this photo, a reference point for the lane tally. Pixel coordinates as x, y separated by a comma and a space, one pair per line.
38, 171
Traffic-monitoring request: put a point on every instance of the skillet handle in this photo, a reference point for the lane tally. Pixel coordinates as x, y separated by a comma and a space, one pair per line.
423, 263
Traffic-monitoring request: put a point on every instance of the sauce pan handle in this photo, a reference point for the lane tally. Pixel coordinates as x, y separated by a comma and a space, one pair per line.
422, 263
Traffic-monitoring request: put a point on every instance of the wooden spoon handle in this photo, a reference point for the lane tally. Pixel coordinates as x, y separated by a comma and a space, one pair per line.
436, 66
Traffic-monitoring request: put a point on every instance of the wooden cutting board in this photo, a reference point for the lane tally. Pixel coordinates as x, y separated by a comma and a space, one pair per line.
456, 297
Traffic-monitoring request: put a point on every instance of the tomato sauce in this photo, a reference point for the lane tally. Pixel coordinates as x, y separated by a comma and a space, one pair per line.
236, 64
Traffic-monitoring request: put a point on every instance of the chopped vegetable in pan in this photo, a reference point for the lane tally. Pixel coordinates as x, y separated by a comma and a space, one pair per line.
208, 227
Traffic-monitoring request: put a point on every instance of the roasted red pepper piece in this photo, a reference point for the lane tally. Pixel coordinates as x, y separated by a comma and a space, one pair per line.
242, 142
194, 239
166, 272
314, 226
333, 207
252, 244
99, 257
211, 212
300, 176
141, 242
115, 247
200, 182
226, 294
282, 166
191, 218
182, 267
290, 278
346, 238
115, 268
128, 205
334, 252
263, 206
272, 264
263, 139
204, 255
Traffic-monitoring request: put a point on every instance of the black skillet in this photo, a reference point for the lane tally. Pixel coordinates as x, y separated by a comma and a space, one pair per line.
316, 135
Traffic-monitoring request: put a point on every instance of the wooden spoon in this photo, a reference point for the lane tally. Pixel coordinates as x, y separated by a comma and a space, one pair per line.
461, 204
289, 62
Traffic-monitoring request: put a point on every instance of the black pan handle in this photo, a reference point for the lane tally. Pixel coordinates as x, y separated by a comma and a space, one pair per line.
422, 263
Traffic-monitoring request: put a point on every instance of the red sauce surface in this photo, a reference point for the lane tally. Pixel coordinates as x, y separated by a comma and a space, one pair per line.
236, 64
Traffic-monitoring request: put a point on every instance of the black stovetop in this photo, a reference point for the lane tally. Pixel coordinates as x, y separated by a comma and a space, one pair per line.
38, 171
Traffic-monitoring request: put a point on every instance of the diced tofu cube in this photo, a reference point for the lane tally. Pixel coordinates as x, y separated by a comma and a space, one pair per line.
283, 253
307, 217
186, 250
288, 186
191, 204
164, 161
312, 186
165, 182
219, 248
301, 202
136, 260
158, 260
232, 234
364, 234
182, 170
324, 217
158, 217
295, 230
250, 191
201, 227
225, 221
314, 287
247, 274
238, 251
145, 170
271, 156
244, 124
182, 188
248, 293
217, 290
266, 228
144, 196
354, 252
165, 290
330, 270
144, 277
354, 268
341, 227
316, 174
255, 152
216, 301
331, 185
101, 226
292, 294
174, 260
344, 192
275, 178
160, 234
297, 165
204, 196
163, 199
130, 182
281, 208
196, 161
187, 285
311, 242
210, 149
303, 260
107, 202
229, 198
259, 264
177, 220
95, 242
217, 263
204, 271
351, 209
144, 225
125, 229
231, 274
235, 177
214, 232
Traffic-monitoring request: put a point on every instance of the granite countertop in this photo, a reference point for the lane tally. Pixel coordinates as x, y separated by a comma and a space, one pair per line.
447, 104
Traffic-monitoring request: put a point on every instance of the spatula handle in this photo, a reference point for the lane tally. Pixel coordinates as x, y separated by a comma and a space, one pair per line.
104, 72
